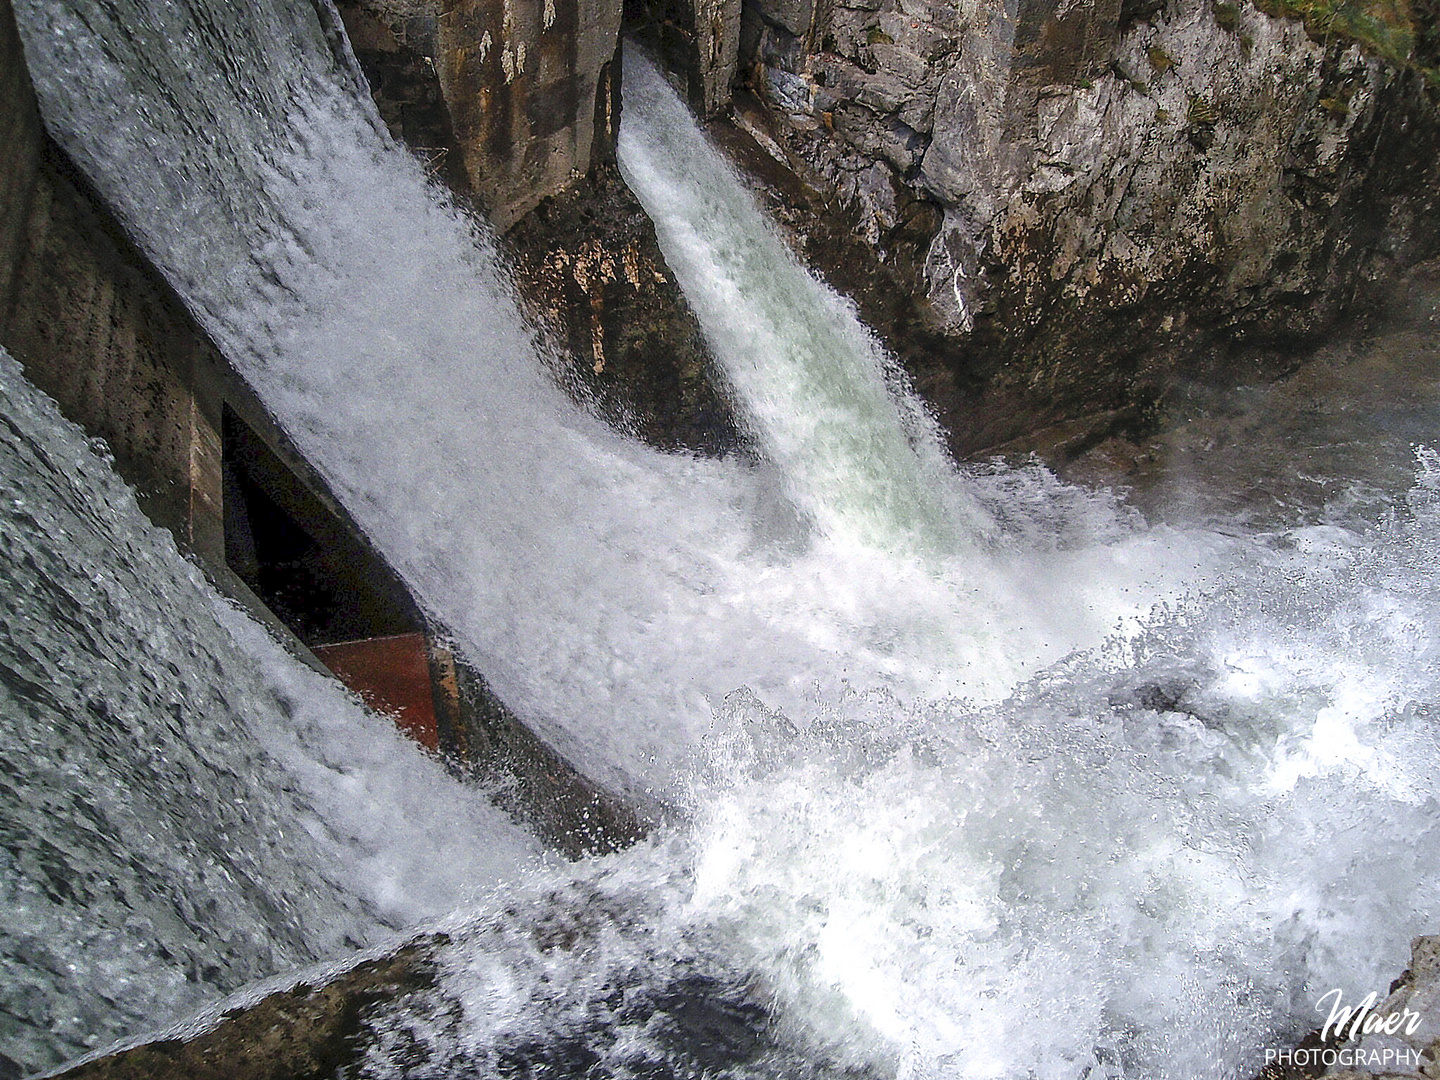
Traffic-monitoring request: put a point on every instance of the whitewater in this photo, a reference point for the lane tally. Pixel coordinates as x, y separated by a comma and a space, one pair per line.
974, 773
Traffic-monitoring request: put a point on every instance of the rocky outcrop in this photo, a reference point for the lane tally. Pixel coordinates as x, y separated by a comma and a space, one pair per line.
697, 40
397, 48
1061, 208
585, 980
584, 254
533, 92
594, 985
589, 265
296, 1034
1121, 191
514, 101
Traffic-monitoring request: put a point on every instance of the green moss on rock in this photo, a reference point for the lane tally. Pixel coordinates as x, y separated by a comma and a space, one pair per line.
1394, 30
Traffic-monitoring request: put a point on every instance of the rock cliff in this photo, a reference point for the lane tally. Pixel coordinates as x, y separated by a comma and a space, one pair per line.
516, 108
590, 268
516, 101
1118, 192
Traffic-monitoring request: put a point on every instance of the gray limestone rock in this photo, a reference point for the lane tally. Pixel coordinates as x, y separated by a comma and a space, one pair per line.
792, 15
1100, 178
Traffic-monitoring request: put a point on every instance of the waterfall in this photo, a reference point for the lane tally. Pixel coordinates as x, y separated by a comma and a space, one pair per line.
611, 594
184, 807
982, 775
857, 451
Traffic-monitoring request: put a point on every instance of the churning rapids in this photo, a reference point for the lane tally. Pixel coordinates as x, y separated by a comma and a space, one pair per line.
972, 773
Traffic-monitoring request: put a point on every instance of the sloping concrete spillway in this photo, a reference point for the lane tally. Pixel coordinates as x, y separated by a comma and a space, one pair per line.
977, 774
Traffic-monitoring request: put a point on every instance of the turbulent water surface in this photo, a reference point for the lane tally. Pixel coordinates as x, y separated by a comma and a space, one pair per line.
980, 774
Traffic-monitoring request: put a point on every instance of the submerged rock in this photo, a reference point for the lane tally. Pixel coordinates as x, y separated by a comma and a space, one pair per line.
293, 1034
576, 981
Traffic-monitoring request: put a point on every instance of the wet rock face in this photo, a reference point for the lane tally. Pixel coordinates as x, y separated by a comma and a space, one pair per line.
590, 267
588, 980
578, 982
699, 39
297, 1034
585, 256
1050, 211
533, 91
1122, 189
513, 101
397, 50
1352, 412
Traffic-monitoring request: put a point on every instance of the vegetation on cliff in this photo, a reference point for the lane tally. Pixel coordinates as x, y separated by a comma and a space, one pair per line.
1402, 32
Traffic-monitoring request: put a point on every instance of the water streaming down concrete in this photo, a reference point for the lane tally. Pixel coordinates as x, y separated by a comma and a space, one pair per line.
185, 807
1148, 861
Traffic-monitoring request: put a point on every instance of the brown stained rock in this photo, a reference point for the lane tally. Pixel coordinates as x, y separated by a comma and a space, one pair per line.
509, 101
303, 1033
505, 130
589, 266
586, 979
532, 90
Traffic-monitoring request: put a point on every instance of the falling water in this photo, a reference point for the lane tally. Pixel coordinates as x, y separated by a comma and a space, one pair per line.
610, 593
983, 776
184, 808
857, 450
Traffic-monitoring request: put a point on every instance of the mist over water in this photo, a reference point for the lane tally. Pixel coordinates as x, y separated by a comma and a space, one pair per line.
1152, 860
981, 775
